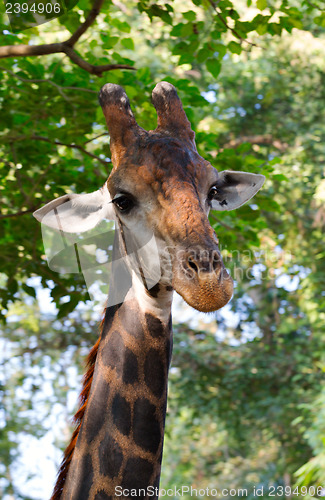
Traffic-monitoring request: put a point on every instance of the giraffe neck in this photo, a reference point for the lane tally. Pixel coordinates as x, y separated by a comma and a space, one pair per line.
120, 442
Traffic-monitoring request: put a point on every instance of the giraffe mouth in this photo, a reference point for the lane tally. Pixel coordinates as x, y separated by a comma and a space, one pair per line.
208, 294
204, 282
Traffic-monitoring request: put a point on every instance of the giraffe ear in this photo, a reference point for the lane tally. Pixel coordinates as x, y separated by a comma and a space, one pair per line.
76, 213
235, 188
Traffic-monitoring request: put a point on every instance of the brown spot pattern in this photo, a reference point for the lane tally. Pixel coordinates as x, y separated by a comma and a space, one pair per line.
123, 425
120, 423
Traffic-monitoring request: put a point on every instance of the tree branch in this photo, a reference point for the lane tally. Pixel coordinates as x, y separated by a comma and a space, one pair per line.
57, 143
88, 22
56, 48
18, 214
223, 224
73, 146
94, 70
50, 82
314, 5
224, 22
65, 47
96, 137
220, 222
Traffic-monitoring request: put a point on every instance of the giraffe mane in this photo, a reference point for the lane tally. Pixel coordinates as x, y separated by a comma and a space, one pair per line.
78, 417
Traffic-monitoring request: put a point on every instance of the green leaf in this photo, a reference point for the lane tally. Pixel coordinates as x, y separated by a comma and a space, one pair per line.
109, 41
274, 28
245, 212
12, 285
213, 66
280, 177
144, 75
296, 23
269, 204
177, 30
220, 48
189, 15
320, 20
193, 46
261, 29
128, 43
234, 47
274, 161
70, 3
244, 147
180, 48
121, 25
29, 290
203, 54
187, 29
185, 59
261, 4
68, 307
158, 11
71, 21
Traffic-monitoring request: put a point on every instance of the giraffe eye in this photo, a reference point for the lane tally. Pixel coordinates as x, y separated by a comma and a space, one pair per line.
213, 193
123, 203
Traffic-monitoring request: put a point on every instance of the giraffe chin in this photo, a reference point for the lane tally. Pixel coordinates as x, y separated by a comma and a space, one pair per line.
206, 294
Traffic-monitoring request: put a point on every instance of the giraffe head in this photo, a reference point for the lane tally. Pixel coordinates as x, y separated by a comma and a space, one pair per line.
161, 186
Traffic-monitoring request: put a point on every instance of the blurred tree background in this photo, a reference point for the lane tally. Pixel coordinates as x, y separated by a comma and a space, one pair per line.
246, 395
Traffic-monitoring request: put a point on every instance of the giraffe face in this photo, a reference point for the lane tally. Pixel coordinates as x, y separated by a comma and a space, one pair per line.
165, 188
161, 187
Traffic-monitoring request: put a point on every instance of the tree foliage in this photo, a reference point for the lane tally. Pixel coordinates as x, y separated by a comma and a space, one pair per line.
246, 392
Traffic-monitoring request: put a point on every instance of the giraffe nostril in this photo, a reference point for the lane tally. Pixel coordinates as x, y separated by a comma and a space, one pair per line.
215, 261
204, 261
192, 264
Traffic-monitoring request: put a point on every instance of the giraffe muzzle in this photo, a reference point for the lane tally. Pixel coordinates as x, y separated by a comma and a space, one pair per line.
201, 278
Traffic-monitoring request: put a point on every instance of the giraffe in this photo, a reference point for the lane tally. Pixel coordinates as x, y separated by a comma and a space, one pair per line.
159, 184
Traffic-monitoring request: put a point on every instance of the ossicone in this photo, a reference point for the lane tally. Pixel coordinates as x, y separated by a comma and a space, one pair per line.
171, 117
122, 126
